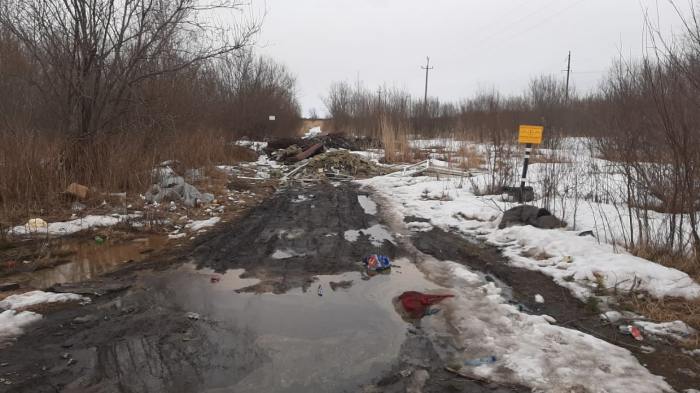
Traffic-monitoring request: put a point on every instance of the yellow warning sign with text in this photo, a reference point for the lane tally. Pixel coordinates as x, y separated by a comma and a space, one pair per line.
530, 134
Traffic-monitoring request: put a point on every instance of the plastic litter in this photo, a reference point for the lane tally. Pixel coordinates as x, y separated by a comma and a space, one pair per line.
480, 361
320, 290
214, 279
377, 262
634, 331
36, 223
431, 311
416, 304
99, 240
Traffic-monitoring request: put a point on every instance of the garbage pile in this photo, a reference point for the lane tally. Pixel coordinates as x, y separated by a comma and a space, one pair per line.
170, 187
530, 215
336, 165
290, 150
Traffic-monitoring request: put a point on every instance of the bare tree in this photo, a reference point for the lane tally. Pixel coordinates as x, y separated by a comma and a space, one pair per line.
92, 55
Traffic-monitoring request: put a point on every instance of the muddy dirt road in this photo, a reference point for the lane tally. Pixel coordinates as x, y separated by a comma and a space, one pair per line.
276, 302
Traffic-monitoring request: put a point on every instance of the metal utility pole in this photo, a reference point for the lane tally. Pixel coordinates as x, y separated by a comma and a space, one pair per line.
568, 74
427, 69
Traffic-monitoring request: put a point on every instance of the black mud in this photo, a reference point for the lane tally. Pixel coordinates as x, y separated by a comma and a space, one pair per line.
680, 370
163, 330
305, 227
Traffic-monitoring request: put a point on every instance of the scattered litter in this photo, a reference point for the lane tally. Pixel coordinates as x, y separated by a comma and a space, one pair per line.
320, 290
634, 331
35, 224
376, 262
215, 279
676, 329
78, 191
647, 349
99, 240
480, 361
312, 133
539, 299
416, 303
193, 316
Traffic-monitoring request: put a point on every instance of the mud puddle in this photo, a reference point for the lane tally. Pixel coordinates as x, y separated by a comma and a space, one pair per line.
314, 340
84, 259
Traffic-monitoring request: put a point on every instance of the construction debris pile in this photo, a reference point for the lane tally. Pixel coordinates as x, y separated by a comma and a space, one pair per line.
339, 165
290, 150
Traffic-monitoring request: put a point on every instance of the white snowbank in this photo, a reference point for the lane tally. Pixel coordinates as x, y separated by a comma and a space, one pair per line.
530, 351
73, 226
590, 264
32, 298
12, 322
201, 224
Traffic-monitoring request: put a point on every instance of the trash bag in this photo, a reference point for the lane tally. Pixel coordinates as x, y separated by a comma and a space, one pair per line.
416, 304
376, 262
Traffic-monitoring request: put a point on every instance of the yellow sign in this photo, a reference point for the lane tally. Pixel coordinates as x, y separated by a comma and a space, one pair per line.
530, 134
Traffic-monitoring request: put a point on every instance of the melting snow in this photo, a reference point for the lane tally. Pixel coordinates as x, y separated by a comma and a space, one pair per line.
368, 205
12, 322
73, 226
197, 225
377, 234
32, 298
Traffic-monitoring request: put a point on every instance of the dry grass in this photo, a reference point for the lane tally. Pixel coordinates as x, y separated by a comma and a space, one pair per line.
36, 168
668, 310
471, 158
394, 136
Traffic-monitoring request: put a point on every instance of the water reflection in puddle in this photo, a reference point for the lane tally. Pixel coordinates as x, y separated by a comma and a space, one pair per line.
334, 342
88, 260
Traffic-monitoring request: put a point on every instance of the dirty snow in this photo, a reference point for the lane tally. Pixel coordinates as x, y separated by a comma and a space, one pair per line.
377, 234
676, 329
530, 351
202, 224
575, 262
33, 298
73, 226
368, 205
255, 145
12, 322
286, 254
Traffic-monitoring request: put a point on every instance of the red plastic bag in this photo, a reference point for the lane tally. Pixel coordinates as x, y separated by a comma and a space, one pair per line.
416, 303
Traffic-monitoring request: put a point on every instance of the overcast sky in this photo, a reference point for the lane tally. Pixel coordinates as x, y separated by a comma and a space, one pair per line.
473, 45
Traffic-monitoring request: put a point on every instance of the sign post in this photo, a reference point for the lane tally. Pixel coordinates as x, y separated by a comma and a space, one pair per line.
528, 135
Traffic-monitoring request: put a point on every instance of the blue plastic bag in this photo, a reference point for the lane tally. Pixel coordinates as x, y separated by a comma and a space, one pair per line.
377, 262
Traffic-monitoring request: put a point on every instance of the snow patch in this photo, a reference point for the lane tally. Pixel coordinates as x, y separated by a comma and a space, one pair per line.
198, 225
676, 329
33, 298
377, 235
73, 226
313, 132
368, 205
12, 322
